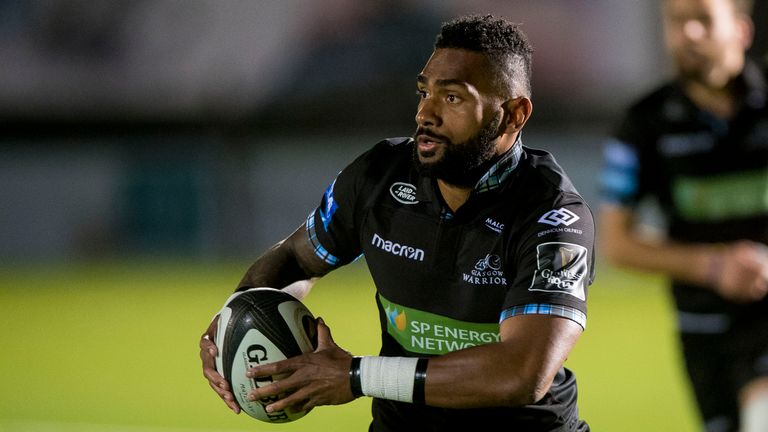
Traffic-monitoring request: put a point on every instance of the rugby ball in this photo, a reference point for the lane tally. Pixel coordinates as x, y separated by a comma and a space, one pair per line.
256, 327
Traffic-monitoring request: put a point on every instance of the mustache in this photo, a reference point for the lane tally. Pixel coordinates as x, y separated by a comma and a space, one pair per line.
428, 133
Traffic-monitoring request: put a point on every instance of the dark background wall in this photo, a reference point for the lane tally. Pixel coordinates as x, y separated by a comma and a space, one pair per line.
210, 129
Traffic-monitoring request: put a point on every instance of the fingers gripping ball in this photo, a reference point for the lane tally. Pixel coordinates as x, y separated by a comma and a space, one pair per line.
260, 326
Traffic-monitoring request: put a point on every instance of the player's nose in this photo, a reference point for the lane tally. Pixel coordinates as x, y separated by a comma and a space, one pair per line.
427, 113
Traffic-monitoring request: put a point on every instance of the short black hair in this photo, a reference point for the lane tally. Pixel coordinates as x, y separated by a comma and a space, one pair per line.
502, 42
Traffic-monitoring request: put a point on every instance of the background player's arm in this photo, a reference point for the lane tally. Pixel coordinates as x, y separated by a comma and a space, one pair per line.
736, 271
516, 371
623, 246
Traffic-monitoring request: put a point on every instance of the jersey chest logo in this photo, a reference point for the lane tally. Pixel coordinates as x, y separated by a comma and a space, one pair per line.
487, 271
404, 193
397, 249
494, 225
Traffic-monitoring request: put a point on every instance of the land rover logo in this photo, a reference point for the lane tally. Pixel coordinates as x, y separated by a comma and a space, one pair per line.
403, 192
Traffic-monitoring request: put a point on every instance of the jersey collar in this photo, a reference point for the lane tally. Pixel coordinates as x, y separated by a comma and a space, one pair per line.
491, 180
756, 87
498, 172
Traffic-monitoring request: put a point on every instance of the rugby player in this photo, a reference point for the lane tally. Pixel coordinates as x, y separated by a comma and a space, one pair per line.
481, 251
699, 145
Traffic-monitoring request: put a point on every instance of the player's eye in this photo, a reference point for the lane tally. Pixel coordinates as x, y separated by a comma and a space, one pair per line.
452, 98
421, 93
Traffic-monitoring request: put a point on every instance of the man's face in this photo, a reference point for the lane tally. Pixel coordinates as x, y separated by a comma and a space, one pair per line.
707, 40
458, 116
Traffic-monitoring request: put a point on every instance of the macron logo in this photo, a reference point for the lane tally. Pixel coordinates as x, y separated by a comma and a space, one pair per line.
561, 216
404, 251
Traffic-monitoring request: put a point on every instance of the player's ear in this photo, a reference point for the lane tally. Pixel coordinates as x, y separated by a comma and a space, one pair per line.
746, 30
517, 111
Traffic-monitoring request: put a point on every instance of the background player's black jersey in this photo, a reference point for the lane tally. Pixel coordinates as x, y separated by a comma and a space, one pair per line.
521, 244
709, 175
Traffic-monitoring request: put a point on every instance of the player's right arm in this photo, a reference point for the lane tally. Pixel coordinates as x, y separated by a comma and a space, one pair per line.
292, 264
326, 241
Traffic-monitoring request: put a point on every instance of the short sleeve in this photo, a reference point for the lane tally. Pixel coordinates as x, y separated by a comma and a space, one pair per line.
332, 227
554, 263
624, 178
619, 177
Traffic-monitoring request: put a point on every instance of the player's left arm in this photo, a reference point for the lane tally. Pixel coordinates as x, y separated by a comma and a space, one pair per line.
544, 317
516, 371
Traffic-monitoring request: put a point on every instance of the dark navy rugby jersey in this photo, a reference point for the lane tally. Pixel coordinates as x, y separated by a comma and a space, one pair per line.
522, 244
709, 175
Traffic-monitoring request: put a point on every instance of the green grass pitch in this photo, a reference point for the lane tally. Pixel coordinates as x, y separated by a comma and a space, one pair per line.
112, 347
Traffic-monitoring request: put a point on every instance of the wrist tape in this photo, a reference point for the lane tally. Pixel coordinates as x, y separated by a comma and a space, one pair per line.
393, 378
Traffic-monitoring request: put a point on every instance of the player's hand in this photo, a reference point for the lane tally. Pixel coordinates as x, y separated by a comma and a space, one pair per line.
743, 272
208, 352
312, 379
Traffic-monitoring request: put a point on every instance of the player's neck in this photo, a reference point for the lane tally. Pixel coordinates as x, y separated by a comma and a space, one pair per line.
454, 196
720, 101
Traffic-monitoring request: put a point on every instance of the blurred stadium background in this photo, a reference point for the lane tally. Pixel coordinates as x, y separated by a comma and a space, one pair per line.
151, 148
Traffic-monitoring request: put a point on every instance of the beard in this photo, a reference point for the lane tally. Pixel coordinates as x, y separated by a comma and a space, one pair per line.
710, 71
462, 164
689, 72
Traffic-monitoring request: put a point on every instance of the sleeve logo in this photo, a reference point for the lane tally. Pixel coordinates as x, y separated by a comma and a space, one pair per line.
561, 267
557, 217
328, 206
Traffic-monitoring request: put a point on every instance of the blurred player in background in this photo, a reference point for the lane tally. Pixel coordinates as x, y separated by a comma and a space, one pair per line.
699, 145
481, 251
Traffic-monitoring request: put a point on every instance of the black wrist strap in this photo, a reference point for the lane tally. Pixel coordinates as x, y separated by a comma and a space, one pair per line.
355, 382
419, 379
